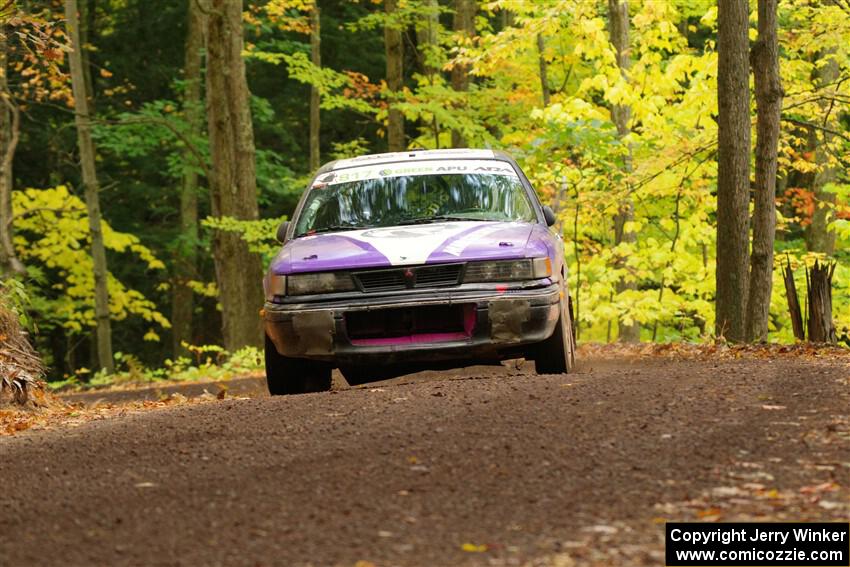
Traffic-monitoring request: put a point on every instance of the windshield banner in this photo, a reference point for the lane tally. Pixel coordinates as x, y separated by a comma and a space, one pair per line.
435, 167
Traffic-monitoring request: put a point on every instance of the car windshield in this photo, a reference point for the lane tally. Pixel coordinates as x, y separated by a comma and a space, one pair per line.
413, 199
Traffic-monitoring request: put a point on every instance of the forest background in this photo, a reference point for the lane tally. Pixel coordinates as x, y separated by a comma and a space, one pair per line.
611, 108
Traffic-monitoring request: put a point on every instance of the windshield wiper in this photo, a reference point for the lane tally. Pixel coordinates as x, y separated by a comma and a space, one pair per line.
438, 218
332, 228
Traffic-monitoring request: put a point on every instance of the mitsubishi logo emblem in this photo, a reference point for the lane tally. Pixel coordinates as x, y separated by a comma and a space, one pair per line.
409, 278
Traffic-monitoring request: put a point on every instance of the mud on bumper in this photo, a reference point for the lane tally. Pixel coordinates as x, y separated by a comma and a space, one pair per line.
436, 326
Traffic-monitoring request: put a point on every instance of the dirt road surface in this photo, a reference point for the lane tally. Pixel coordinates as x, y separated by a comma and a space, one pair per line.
481, 467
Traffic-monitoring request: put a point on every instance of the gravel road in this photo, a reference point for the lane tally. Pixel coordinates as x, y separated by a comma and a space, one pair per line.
481, 467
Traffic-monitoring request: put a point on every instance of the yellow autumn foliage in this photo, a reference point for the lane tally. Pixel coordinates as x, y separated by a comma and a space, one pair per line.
52, 234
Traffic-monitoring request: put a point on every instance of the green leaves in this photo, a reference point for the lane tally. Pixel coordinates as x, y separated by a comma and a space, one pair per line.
158, 129
258, 234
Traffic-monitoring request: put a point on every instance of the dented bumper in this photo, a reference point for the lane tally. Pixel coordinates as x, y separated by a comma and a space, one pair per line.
440, 325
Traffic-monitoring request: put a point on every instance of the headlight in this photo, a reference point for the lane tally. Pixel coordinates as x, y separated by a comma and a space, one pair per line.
277, 286
542, 267
508, 270
328, 282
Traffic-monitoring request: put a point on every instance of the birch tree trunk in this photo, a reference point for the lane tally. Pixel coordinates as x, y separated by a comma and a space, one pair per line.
233, 187
82, 119
182, 304
395, 76
769, 93
733, 169
618, 18
315, 101
464, 24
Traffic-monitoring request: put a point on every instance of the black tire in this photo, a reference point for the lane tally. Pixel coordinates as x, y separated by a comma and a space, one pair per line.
556, 355
285, 375
356, 375
573, 342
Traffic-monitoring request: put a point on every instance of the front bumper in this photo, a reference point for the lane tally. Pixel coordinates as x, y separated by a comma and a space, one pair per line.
503, 321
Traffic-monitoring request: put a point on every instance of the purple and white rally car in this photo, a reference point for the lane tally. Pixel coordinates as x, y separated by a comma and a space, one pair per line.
421, 259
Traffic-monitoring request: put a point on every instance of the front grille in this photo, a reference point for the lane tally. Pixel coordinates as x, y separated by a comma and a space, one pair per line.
382, 280
433, 276
440, 275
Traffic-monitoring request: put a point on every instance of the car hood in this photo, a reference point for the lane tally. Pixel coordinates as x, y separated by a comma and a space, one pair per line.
413, 245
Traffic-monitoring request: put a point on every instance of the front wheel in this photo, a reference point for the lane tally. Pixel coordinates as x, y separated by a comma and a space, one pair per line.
356, 375
286, 375
556, 355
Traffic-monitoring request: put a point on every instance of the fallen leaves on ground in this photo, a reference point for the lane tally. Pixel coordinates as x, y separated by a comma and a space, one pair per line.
714, 351
53, 412
144, 384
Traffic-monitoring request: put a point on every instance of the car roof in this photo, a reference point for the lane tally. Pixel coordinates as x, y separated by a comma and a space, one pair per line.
414, 155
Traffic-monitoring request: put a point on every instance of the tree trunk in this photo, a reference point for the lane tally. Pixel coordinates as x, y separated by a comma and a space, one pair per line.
769, 93
86, 14
87, 162
820, 326
427, 40
185, 268
618, 17
544, 80
793, 302
507, 18
395, 77
733, 168
818, 236
9, 134
464, 24
427, 36
233, 187
316, 56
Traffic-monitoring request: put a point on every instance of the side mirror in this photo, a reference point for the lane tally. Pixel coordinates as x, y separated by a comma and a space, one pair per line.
549, 215
282, 230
